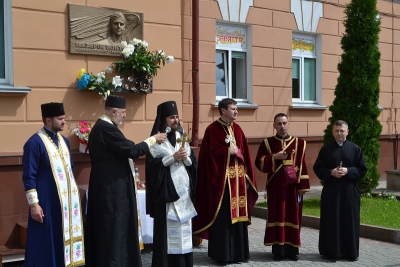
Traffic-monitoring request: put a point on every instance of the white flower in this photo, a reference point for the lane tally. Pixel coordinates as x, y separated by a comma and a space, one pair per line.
109, 69
128, 50
161, 53
169, 59
100, 77
145, 44
117, 81
136, 41
124, 43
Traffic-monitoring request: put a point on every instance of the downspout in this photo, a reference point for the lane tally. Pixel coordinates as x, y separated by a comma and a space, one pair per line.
195, 72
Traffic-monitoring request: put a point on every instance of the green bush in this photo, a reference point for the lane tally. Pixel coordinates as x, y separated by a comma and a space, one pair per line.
357, 90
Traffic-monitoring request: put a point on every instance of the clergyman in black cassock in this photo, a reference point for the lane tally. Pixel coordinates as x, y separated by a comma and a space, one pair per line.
111, 234
170, 190
340, 164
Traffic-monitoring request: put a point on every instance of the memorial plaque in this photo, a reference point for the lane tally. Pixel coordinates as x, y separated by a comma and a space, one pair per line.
100, 31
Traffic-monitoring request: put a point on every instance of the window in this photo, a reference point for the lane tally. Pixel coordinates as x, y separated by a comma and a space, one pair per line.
6, 43
232, 63
6, 51
304, 69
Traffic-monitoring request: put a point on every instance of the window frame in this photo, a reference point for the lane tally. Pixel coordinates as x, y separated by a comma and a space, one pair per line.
318, 71
301, 81
8, 64
7, 84
228, 52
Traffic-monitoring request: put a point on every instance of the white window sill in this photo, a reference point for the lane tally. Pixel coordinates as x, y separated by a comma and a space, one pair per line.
307, 106
242, 105
9, 89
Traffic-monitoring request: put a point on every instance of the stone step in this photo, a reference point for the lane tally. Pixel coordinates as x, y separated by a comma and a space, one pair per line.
11, 253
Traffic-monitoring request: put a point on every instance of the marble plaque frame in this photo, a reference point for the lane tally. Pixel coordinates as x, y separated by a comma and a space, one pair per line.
90, 30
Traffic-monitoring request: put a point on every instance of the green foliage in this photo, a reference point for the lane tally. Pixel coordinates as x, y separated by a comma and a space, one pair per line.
142, 62
102, 87
357, 90
379, 211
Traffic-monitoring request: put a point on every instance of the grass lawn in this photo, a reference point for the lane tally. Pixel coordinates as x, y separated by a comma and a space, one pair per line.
374, 211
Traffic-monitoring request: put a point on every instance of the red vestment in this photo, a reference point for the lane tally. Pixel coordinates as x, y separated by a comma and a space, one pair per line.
217, 168
283, 222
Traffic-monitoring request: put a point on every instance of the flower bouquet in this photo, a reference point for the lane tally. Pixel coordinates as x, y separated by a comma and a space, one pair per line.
82, 130
137, 69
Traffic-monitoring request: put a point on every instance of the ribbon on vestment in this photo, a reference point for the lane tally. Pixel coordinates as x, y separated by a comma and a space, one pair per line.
69, 199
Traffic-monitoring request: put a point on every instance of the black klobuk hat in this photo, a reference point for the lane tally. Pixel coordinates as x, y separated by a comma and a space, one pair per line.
164, 110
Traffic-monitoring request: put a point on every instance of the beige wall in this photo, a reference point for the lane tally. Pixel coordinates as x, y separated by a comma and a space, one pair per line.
42, 62
272, 25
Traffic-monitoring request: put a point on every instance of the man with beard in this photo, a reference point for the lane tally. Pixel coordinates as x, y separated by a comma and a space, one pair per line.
55, 232
170, 187
340, 165
112, 224
226, 190
282, 158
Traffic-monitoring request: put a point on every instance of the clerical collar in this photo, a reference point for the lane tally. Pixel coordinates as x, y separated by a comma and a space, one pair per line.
280, 137
341, 144
50, 132
229, 123
104, 117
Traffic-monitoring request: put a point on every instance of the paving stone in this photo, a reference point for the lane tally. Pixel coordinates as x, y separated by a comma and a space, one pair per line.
372, 253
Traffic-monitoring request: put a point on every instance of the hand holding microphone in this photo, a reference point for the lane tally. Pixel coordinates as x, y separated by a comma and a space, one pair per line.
160, 137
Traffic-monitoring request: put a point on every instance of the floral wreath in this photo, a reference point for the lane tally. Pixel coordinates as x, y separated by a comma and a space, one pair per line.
138, 68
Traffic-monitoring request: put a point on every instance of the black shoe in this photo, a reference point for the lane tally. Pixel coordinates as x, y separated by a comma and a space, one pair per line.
277, 258
293, 257
353, 259
328, 258
222, 263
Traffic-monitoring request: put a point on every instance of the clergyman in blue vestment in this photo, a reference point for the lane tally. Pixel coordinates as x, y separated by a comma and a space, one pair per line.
55, 234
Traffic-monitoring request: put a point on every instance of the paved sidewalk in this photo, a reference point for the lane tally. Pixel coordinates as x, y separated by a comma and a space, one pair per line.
372, 253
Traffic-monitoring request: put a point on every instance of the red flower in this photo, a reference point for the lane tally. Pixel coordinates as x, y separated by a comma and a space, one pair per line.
84, 129
83, 123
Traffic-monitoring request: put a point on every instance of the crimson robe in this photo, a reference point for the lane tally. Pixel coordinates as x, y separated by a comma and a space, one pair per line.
217, 168
284, 213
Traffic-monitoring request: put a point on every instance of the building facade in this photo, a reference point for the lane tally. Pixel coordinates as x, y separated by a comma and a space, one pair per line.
272, 56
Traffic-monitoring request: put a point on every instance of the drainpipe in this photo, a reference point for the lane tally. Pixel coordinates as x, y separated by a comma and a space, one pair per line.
195, 72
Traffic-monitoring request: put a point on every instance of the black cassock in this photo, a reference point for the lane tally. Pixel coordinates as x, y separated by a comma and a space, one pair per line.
340, 199
111, 236
160, 190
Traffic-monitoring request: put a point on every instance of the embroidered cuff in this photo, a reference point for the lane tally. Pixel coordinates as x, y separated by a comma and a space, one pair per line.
32, 197
150, 141
168, 160
187, 162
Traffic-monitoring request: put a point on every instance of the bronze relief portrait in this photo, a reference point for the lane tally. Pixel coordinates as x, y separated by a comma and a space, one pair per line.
100, 31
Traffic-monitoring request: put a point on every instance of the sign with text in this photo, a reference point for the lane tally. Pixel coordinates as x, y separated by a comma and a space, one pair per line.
230, 37
303, 45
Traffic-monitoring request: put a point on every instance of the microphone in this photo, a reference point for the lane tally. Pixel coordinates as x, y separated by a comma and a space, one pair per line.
167, 130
